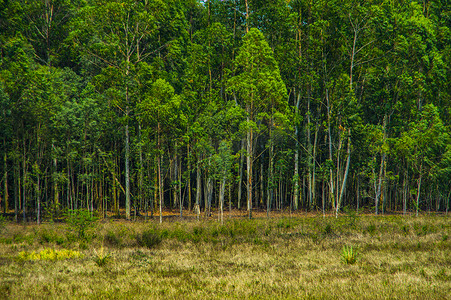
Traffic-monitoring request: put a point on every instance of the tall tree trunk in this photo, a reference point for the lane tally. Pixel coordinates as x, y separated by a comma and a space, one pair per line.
381, 170
198, 189
180, 187
247, 15
221, 197
189, 176
419, 189
174, 177
127, 149
141, 170
270, 185
5, 179
240, 180
343, 185
249, 161
160, 183
309, 158
296, 155
315, 143
404, 194
331, 175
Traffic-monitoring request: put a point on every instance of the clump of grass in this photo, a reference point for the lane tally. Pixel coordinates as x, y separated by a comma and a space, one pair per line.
348, 255
101, 258
48, 254
149, 239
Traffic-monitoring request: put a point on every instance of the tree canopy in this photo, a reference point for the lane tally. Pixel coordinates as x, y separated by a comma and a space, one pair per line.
147, 105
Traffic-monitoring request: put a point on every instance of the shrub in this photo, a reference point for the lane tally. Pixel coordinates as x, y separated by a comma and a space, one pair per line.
80, 221
348, 255
148, 239
352, 215
371, 229
112, 239
328, 229
51, 237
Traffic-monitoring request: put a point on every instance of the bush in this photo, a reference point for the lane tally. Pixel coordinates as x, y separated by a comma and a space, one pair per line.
111, 239
371, 229
148, 239
80, 221
51, 237
328, 229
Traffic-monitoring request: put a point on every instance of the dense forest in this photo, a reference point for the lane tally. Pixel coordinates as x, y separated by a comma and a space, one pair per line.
142, 106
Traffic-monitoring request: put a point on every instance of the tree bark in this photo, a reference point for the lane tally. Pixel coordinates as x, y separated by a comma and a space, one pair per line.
343, 185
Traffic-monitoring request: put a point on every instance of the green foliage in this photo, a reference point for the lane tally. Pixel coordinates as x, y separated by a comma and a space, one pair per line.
99, 84
371, 229
80, 221
328, 229
51, 236
112, 239
149, 238
348, 255
352, 216
2, 223
102, 257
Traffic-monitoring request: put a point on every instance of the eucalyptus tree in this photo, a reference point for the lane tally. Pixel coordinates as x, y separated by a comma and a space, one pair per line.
116, 34
424, 144
259, 88
160, 110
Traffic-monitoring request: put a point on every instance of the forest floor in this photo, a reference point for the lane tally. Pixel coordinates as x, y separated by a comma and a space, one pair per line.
290, 256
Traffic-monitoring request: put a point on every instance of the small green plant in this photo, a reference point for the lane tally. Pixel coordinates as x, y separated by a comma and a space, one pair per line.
149, 239
348, 255
80, 221
101, 258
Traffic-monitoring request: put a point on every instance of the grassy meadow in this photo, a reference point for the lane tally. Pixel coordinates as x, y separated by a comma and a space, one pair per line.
297, 257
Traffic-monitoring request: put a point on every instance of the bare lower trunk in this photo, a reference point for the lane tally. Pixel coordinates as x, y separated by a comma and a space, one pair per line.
343, 185
160, 183
419, 189
240, 181
249, 161
331, 175
198, 191
5, 170
221, 198
378, 192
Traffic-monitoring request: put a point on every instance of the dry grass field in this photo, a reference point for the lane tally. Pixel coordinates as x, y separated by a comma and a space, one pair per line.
297, 257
